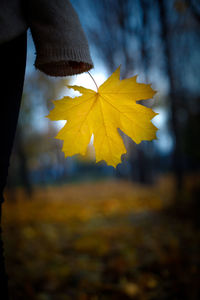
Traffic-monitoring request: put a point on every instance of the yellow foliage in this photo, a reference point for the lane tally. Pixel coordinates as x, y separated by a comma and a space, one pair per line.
83, 202
102, 113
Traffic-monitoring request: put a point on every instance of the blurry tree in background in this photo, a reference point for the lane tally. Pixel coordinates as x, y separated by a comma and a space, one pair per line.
174, 39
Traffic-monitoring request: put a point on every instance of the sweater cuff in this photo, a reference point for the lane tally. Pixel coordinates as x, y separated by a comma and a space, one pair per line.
63, 61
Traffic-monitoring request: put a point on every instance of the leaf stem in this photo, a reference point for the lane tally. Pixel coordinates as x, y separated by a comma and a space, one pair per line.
93, 81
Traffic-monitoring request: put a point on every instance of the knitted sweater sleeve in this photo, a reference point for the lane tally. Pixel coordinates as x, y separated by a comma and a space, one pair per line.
61, 45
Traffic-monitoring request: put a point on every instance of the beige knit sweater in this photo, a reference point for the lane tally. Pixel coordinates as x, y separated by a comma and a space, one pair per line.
61, 45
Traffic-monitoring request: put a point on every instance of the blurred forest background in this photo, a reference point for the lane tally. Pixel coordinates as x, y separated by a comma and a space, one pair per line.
79, 230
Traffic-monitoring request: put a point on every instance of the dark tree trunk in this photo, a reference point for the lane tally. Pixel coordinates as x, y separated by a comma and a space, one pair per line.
177, 153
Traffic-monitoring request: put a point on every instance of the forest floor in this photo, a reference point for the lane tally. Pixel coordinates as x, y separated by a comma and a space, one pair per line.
104, 240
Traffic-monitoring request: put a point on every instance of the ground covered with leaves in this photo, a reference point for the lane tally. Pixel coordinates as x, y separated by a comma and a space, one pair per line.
105, 240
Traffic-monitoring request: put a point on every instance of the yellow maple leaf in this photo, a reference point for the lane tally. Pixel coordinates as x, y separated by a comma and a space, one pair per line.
101, 113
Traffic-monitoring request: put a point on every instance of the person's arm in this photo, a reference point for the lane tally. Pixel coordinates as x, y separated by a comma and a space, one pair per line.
61, 45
